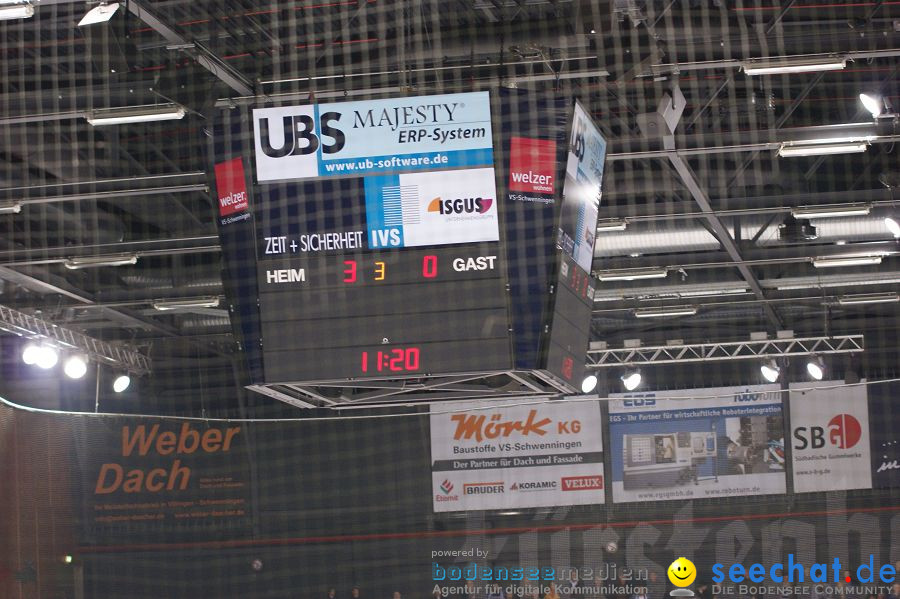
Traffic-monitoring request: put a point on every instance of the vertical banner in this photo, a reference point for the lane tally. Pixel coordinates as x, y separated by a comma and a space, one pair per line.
885, 445
486, 458
830, 437
697, 443
581, 190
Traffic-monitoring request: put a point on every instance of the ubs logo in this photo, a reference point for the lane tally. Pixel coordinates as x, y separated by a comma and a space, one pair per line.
299, 136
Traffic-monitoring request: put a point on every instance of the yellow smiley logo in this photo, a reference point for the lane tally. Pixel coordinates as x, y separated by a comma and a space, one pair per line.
682, 572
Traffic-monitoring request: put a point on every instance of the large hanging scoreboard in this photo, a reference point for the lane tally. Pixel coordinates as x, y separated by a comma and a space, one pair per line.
369, 240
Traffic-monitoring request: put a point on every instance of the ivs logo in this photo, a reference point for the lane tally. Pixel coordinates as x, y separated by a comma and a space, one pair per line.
844, 432
461, 205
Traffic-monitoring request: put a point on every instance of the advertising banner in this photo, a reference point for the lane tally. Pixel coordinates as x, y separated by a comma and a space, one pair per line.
485, 458
830, 437
532, 170
162, 473
697, 443
373, 136
885, 446
434, 208
581, 190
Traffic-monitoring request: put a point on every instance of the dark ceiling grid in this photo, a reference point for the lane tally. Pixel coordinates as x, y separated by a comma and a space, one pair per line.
45, 66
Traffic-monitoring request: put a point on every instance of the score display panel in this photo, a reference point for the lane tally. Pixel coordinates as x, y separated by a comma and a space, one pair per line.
396, 271
382, 313
409, 237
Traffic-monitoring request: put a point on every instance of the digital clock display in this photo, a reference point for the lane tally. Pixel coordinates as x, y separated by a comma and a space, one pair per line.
384, 313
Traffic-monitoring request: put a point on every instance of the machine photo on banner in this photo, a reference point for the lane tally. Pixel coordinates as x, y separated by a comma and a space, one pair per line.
697, 443
541, 455
830, 436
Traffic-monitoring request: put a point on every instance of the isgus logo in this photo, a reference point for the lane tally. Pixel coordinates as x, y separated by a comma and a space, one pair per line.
844, 432
461, 205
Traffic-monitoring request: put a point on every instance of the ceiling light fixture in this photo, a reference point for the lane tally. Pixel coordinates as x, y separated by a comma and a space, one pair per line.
632, 274
892, 225
99, 14
121, 383
30, 353
46, 357
186, 304
835, 211
873, 104
16, 10
816, 368
713, 292
792, 149
829, 262
75, 367
663, 312
10, 208
868, 298
632, 379
589, 383
78, 262
770, 370
135, 114
787, 65
612, 224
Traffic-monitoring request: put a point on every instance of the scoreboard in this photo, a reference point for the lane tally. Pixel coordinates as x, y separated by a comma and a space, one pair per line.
368, 240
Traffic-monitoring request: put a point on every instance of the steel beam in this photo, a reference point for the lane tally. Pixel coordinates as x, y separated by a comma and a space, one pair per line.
726, 351
204, 57
120, 356
721, 232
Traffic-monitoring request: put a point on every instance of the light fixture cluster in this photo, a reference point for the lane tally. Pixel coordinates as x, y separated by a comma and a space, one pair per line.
45, 356
815, 367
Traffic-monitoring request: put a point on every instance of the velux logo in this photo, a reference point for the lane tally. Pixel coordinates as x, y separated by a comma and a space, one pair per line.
446, 487
461, 205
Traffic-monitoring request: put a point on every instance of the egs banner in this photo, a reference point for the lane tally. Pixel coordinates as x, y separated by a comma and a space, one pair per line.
487, 458
374, 136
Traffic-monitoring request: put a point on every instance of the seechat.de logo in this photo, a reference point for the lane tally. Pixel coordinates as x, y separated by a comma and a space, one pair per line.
461, 205
844, 432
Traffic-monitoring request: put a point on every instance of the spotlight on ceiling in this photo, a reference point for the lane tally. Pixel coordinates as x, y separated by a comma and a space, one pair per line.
47, 357
99, 14
631, 380
790, 149
770, 371
893, 226
121, 383
15, 10
589, 383
30, 353
816, 368
75, 367
873, 104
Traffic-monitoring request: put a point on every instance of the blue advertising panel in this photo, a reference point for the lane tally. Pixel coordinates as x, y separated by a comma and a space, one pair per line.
420, 133
697, 443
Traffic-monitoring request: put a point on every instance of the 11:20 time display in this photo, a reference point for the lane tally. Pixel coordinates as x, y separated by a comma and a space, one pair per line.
398, 359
